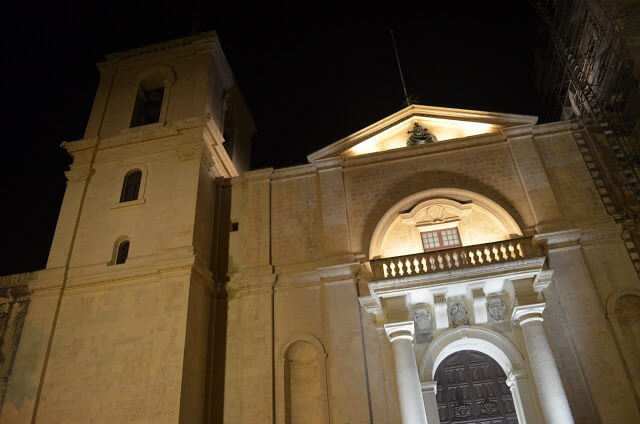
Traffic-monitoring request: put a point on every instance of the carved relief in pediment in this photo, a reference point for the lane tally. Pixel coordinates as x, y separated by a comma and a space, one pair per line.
436, 211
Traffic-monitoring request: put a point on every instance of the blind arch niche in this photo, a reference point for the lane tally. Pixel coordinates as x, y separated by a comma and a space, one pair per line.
302, 382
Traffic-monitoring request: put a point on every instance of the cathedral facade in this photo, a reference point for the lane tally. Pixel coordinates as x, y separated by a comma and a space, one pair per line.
439, 266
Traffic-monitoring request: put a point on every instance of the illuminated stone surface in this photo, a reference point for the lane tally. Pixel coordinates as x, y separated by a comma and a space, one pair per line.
303, 314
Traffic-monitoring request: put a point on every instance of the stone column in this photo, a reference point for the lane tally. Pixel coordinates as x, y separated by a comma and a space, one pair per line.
429, 391
407, 379
555, 406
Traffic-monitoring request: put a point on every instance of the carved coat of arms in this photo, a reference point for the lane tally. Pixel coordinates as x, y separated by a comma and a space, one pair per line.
497, 308
459, 315
422, 320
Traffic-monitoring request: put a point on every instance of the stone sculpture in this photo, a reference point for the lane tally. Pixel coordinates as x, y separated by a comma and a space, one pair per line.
420, 135
497, 308
459, 315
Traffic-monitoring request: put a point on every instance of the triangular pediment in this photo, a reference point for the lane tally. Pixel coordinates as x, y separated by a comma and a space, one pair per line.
445, 124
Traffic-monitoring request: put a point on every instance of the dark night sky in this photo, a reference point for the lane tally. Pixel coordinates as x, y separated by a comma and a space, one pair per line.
310, 76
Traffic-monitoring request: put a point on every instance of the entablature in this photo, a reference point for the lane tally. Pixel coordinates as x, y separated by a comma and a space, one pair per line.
468, 282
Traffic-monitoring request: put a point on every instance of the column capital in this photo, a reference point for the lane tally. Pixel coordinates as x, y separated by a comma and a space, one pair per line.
514, 376
429, 386
400, 330
542, 281
528, 313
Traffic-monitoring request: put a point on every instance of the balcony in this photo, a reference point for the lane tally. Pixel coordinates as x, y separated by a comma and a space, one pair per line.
478, 255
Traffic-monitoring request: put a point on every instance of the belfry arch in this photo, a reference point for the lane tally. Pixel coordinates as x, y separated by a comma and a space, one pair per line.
480, 219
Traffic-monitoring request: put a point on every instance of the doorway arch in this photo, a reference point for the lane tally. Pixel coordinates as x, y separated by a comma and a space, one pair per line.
471, 386
495, 346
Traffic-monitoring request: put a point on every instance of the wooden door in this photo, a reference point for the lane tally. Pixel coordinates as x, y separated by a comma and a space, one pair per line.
472, 389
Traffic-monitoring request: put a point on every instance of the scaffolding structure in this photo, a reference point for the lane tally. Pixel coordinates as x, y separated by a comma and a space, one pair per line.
589, 71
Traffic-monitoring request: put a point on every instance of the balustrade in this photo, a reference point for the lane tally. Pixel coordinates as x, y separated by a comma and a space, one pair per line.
456, 258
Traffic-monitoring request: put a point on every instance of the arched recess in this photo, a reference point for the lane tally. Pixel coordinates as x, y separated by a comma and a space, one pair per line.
148, 81
623, 312
455, 204
165, 73
498, 348
302, 382
116, 259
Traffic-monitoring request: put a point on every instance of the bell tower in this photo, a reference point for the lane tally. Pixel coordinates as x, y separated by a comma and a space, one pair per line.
124, 317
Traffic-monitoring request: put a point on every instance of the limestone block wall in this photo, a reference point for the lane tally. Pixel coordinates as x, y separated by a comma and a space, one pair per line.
487, 169
132, 350
296, 223
249, 394
117, 346
22, 347
572, 184
162, 219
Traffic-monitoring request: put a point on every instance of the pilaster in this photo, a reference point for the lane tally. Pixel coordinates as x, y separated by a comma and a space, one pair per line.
542, 201
590, 333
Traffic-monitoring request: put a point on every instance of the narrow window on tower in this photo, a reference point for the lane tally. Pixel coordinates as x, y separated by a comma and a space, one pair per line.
440, 239
123, 252
131, 186
148, 105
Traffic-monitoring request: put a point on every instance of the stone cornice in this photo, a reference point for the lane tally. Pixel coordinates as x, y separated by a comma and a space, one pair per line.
518, 131
371, 304
258, 278
542, 280
180, 259
137, 135
329, 163
16, 280
259, 175
78, 145
555, 127
343, 144
448, 146
590, 232
205, 40
217, 156
562, 238
319, 275
294, 172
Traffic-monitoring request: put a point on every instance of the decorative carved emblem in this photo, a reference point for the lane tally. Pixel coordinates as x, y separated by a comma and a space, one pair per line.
497, 308
489, 407
436, 213
462, 410
422, 319
420, 135
459, 315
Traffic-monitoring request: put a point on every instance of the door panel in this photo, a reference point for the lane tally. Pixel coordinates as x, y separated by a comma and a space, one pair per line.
472, 389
